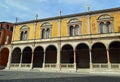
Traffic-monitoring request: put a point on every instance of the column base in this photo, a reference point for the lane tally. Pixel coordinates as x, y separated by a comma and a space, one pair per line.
43, 65
31, 66
91, 66
7, 68
75, 66
109, 66
58, 66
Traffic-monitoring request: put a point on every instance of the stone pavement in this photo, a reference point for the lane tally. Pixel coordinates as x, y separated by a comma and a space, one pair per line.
20, 76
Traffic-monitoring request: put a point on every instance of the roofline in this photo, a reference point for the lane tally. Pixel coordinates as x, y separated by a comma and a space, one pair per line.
71, 15
6, 22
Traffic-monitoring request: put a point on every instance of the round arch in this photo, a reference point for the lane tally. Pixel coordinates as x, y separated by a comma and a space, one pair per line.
24, 27
114, 52
99, 53
73, 20
16, 55
67, 54
51, 54
85, 43
46, 24
4, 54
82, 56
38, 56
27, 55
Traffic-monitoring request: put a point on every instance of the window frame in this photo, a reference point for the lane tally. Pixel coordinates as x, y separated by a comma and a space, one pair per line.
23, 30
105, 18
74, 22
7, 27
45, 26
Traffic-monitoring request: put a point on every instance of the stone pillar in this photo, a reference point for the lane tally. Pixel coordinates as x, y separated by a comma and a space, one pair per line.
74, 59
108, 59
58, 55
90, 56
21, 60
9, 59
44, 60
31, 66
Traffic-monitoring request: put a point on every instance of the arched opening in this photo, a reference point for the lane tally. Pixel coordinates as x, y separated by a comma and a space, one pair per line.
67, 54
27, 55
99, 54
51, 54
114, 52
16, 55
4, 57
82, 56
38, 57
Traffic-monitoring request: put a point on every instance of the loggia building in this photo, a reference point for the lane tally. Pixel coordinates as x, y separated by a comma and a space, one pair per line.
88, 41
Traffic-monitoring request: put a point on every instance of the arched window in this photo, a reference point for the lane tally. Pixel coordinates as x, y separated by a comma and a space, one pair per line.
74, 26
101, 27
46, 30
7, 27
1, 26
105, 23
0, 34
108, 25
7, 40
21, 36
71, 31
24, 33
48, 33
76, 30
11, 29
43, 33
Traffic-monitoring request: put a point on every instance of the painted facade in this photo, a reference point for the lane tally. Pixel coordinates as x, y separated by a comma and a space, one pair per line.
84, 41
6, 30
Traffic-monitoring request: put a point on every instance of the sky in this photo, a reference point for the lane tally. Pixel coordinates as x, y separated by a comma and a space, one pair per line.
25, 10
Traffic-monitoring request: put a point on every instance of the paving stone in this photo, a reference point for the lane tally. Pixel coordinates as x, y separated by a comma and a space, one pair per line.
16, 76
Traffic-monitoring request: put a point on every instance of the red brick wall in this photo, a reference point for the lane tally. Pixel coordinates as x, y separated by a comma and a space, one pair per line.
6, 32
4, 53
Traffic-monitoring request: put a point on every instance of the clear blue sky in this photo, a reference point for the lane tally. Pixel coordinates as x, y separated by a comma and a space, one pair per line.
25, 10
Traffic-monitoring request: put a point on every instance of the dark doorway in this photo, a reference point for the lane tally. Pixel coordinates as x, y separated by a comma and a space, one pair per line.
82, 56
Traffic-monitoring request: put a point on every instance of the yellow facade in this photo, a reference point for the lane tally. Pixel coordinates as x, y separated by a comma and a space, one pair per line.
64, 25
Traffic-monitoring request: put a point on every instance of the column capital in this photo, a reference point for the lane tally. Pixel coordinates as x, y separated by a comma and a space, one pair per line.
107, 48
